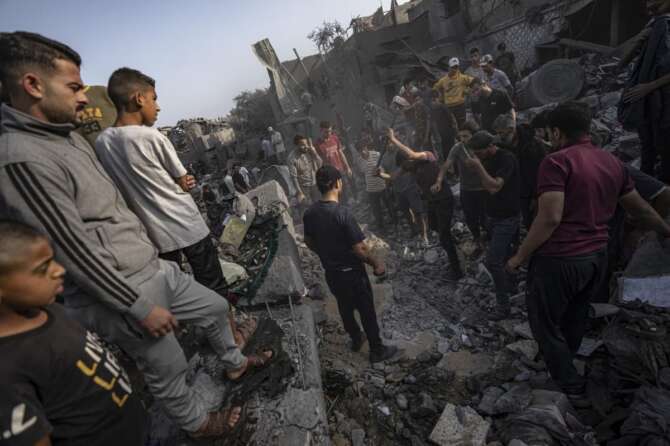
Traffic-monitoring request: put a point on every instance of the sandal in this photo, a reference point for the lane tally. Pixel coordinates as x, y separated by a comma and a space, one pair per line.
257, 361
218, 423
244, 332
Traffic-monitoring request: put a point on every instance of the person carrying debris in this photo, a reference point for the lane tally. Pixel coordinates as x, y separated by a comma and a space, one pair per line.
60, 385
579, 187
51, 179
521, 141
488, 104
645, 105
473, 195
498, 170
439, 203
303, 162
496, 78
454, 88
331, 231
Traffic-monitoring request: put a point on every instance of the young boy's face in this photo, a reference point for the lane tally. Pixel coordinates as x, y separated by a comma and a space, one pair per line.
36, 279
150, 106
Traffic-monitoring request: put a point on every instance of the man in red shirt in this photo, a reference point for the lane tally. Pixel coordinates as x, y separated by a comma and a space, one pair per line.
579, 187
330, 149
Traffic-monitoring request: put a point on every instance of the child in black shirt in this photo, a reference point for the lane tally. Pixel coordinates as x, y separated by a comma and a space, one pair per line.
58, 383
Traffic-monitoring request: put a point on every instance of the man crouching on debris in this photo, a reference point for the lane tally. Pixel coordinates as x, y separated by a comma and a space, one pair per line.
333, 233
51, 179
578, 189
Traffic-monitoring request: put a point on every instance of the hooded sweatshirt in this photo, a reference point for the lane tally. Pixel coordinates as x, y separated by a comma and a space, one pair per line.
51, 179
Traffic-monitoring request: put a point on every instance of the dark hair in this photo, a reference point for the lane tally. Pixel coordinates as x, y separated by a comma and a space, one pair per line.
540, 120
471, 126
481, 140
124, 83
298, 138
325, 125
476, 81
474, 50
502, 46
21, 51
15, 238
573, 119
326, 178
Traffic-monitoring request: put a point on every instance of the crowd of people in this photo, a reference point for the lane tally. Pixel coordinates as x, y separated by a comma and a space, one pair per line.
107, 228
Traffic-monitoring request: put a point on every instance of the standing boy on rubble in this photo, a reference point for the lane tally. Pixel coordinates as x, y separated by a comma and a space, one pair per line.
579, 186
303, 162
333, 233
454, 88
51, 179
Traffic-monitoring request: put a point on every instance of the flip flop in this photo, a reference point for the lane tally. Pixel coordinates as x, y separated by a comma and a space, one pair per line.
217, 424
257, 361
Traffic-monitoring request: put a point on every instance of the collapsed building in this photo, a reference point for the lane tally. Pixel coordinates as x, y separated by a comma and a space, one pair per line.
419, 36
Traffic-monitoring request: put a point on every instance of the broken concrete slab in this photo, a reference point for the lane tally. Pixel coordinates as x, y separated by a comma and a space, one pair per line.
233, 273
487, 404
549, 398
515, 400
268, 195
529, 349
460, 426
647, 276
524, 331
466, 364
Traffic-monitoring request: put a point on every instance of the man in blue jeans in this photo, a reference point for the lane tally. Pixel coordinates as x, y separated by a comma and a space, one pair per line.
499, 172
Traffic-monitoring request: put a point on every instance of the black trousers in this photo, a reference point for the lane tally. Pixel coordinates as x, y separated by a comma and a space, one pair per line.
353, 291
204, 261
474, 208
441, 214
655, 143
448, 139
558, 297
460, 113
376, 200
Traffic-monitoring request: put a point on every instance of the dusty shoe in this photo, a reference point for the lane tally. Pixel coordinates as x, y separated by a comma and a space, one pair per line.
219, 424
501, 313
357, 344
383, 353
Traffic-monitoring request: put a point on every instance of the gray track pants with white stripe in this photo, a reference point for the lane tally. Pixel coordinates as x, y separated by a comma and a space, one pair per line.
162, 360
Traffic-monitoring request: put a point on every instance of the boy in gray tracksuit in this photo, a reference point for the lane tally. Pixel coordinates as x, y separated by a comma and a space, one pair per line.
116, 285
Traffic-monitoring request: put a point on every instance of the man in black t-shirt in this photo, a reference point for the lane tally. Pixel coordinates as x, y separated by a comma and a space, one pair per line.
332, 232
488, 104
445, 123
499, 172
58, 384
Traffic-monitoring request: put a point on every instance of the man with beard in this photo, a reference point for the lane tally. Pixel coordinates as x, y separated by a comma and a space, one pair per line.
645, 101
579, 187
117, 286
303, 162
530, 151
488, 104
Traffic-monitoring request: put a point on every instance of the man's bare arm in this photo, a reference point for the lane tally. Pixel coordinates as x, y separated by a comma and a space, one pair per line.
362, 251
644, 216
549, 216
491, 185
411, 154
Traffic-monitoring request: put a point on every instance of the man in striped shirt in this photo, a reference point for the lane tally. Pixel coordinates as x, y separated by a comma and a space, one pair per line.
116, 286
374, 184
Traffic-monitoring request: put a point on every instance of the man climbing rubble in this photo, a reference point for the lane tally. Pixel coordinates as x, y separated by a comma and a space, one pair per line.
116, 286
489, 103
454, 88
332, 232
498, 170
645, 105
439, 202
579, 186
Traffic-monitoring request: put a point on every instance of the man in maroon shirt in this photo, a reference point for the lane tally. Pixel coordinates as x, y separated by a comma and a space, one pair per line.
579, 187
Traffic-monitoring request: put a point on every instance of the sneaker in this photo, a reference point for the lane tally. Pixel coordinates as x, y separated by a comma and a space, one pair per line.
357, 344
501, 313
383, 353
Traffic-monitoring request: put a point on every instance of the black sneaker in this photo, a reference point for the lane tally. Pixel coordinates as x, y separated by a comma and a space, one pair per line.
383, 353
357, 344
501, 313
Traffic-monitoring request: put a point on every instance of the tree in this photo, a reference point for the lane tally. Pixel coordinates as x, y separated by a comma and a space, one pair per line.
252, 114
328, 36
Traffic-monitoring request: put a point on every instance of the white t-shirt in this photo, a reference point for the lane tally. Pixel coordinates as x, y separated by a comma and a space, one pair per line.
144, 165
278, 142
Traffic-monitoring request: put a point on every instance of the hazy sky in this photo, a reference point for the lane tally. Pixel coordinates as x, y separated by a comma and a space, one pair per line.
199, 51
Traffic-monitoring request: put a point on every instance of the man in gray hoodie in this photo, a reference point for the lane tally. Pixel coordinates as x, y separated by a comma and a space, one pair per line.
116, 285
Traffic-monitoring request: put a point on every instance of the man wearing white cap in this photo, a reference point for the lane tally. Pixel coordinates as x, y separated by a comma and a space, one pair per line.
454, 88
497, 79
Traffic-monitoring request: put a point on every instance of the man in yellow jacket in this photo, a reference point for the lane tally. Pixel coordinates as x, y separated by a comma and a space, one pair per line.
454, 87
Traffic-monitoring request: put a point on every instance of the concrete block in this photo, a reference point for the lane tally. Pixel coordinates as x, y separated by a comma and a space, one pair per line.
465, 364
460, 426
269, 194
647, 276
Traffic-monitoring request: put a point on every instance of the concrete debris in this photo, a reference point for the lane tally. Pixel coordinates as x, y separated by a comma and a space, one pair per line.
514, 400
529, 349
458, 426
524, 331
358, 437
489, 399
